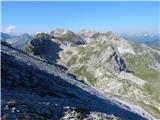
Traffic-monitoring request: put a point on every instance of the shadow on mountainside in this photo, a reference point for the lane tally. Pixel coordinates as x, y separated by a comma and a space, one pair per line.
48, 50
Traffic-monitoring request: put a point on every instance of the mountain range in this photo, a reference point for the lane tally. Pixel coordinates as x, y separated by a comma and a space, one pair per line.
125, 73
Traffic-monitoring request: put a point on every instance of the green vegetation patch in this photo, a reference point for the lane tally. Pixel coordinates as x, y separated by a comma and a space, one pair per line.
82, 71
153, 88
153, 110
85, 53
42, 36
139, 65
28, 49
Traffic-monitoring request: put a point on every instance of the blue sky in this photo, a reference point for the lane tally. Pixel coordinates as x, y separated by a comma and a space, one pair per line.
120, 17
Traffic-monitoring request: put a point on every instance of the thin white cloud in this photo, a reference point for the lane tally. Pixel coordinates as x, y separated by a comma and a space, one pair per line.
10, 29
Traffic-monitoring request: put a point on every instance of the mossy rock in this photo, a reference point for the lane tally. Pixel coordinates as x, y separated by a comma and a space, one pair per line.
28, 49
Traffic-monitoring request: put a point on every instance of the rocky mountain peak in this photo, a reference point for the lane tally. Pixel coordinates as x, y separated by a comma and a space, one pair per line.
42, 46
41, 37
67, 37
60, 32
90, 36
88, 32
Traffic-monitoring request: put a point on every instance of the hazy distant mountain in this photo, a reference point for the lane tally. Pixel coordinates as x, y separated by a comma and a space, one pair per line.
152, 40
141, 37
17, 40
154, 43
5, 36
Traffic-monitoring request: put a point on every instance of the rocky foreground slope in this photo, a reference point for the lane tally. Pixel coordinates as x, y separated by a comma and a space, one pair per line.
33, 89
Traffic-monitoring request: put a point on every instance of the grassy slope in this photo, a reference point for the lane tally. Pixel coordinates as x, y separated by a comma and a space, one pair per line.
139, 64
